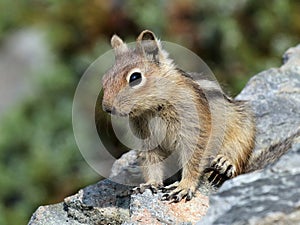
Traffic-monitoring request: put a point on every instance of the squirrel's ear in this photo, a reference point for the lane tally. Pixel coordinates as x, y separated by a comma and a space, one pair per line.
118, 44
146, 35
150, 46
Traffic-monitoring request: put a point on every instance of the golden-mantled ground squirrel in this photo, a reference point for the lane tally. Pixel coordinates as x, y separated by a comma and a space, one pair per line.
146, 85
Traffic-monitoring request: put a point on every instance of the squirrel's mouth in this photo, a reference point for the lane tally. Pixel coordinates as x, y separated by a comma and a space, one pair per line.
122, 114
114, 112
134, 112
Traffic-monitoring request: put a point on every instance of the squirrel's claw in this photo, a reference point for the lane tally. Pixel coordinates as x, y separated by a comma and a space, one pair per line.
224, 166
221, 170
177, 192
153, 187
177, 196
169, 187
215, 178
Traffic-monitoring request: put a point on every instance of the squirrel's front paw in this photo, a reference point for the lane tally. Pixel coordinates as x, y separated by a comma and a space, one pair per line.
178, 191
222, 169
154, 187
224, 166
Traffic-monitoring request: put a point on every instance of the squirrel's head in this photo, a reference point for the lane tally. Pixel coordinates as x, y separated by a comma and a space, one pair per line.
139, 78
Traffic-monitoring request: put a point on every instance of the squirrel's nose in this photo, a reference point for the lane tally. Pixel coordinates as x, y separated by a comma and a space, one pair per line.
108, 109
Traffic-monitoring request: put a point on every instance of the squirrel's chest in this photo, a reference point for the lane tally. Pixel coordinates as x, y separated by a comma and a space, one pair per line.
155, 131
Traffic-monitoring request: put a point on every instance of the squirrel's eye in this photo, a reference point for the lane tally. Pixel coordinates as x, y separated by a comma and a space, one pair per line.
135, 79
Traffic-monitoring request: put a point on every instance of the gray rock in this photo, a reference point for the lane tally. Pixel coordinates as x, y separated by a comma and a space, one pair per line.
52, 215
126, 169
269, 196
102, 203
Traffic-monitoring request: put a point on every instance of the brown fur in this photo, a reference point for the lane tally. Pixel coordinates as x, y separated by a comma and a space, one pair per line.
185, 112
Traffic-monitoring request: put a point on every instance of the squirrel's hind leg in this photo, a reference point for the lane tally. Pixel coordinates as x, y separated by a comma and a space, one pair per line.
152, 167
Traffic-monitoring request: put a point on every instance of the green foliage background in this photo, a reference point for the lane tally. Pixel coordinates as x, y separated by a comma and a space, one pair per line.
39, 160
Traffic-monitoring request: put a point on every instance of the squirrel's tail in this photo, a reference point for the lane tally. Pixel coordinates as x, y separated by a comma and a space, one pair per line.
270, 154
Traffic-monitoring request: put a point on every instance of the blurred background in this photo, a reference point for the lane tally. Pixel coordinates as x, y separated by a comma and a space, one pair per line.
46, 45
